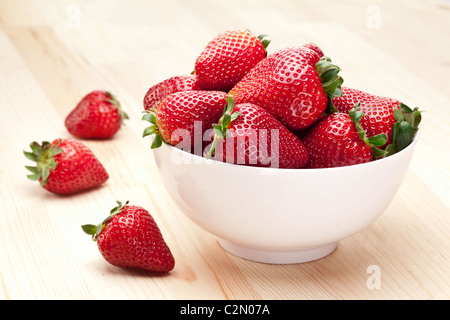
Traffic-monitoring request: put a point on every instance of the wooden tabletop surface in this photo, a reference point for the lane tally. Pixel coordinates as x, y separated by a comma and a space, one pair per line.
54, 52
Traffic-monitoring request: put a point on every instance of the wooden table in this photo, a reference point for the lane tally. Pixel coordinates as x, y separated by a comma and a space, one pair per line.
54, 52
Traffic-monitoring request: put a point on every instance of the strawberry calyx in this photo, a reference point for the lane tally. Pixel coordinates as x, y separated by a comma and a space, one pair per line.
221, 128
374, 142
404, 129
43, 154
331, 80
113, 100
264, 41
150, 116
95, 230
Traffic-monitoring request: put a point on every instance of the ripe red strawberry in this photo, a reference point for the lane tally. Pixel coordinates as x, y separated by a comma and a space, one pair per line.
97, 116
157, 93
65, 166
130, 238
227, 58
248, 135
338, 140
292, 84
183, 117
382, 115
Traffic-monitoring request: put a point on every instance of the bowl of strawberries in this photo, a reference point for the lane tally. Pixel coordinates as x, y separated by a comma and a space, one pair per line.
271, 153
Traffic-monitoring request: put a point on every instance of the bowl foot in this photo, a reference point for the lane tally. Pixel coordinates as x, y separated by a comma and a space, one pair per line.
280, 256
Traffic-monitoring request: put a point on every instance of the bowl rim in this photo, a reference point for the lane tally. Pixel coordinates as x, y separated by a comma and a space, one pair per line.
270, 169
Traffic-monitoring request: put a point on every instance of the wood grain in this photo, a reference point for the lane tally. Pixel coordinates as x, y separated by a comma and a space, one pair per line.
52, 53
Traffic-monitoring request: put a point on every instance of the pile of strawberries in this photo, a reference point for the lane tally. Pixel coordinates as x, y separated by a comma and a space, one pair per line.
287, 109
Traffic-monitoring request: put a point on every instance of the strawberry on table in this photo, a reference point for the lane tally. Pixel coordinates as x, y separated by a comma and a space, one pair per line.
227, 58
183, 117
157, 93
248, 135
97, 116
293, 84
130, 238
65, 166
338, 140
382, 115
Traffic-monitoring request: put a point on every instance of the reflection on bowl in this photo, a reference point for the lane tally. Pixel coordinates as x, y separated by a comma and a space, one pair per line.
280, 216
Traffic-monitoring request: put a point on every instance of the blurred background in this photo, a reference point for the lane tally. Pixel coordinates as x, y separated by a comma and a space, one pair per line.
152, 40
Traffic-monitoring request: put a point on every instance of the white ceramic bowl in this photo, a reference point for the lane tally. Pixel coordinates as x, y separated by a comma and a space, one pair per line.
280, 216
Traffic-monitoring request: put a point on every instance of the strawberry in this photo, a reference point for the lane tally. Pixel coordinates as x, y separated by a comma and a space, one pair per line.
338, 140
157, 93
183, 117
293, 84
247, 134
382, 115
227, 58
97, 116
65, 166
130, 238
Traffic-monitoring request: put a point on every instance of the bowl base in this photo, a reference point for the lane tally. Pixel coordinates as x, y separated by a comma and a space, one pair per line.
278, 257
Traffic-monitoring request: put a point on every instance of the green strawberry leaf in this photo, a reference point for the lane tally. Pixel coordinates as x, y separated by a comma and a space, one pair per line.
264, 41
412, 116
95, 230
221, 128
373, 142
90, 229
398, 115
45, 173
157, 142
149, 131
329, 73
150, 116
378, 140
34, 177
402, 136
378, 153
43, 154
31, 156
32, 169
390, 149
331, 81
404, 129
36, 148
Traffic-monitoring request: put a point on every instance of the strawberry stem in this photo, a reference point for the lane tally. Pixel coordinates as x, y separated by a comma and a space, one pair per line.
150, 116
373, 142
221, 128
95, 230
43, 154
331, 80
264, 41
404, 129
